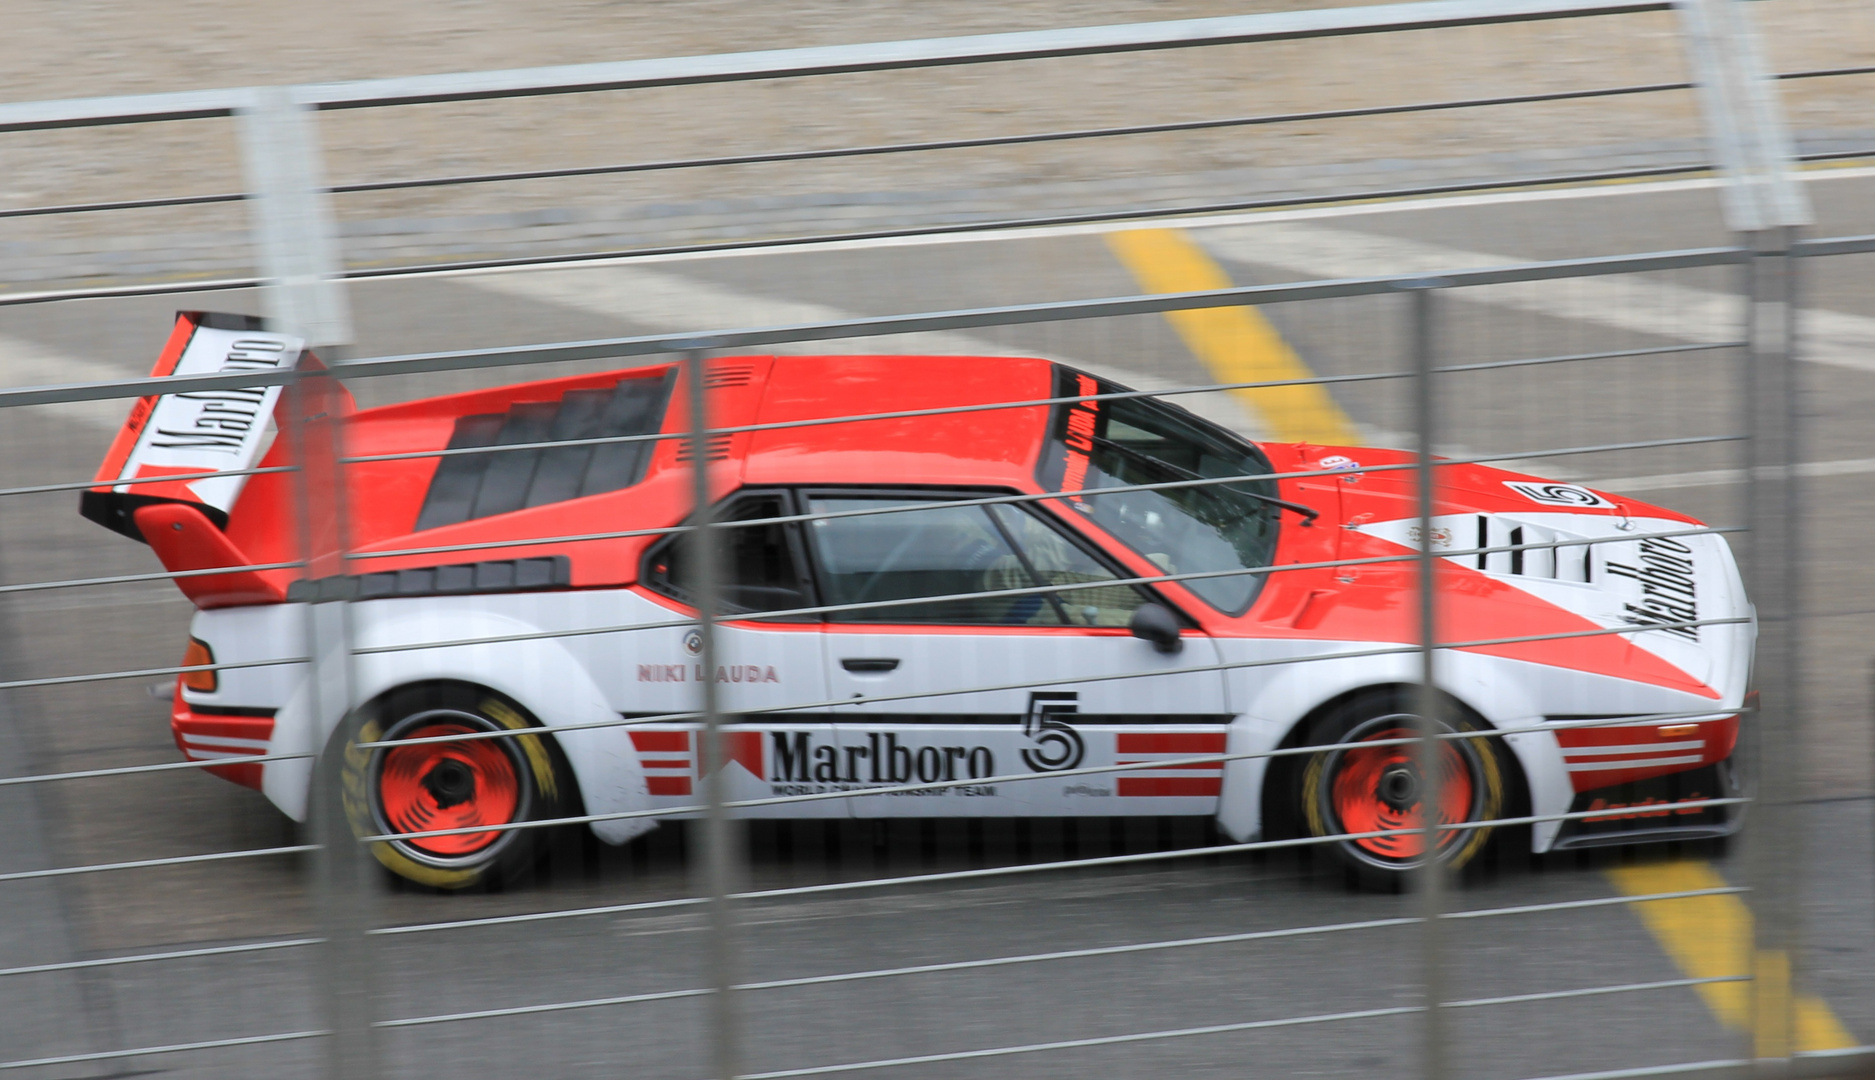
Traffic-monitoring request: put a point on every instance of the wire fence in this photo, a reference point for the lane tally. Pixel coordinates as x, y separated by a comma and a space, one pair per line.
988, 708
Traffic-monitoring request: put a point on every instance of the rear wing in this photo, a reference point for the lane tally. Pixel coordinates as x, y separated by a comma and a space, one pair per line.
195, 432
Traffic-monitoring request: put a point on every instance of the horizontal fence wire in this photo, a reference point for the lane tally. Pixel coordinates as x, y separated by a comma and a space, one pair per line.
902, 414
257, 759
1019, 869
918, 322
162, 575
144, 673
1234, 665
1046, 496
834, 153
1221, 1029
820, 60
168, 1048
873, 883
1801, 1065
161, 766
810, 242
1035, 958
62, 680
177, 860
84, 485
1016, 778
1153, 946
149, 958
985, 500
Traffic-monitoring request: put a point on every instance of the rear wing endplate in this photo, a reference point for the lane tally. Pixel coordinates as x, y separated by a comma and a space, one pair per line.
199, 431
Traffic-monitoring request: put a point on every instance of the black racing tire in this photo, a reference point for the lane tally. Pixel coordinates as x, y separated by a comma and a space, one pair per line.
1356, 790
445, 785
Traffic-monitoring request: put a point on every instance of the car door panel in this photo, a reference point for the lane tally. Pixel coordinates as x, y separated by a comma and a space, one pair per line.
1031, 676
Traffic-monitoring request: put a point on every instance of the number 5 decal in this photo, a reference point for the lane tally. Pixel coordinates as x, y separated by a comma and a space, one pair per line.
1057, 745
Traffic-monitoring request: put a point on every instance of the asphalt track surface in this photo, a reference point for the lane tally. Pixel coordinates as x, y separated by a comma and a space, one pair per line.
62, 919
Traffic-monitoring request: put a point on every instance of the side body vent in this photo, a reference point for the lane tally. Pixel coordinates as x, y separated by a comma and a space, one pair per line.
489, 576
471, 486
718, 378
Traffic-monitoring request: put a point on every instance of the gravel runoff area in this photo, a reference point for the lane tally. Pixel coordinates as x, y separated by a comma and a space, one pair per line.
55, 50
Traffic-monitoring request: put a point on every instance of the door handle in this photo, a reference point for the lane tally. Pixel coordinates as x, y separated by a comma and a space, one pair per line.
869, 665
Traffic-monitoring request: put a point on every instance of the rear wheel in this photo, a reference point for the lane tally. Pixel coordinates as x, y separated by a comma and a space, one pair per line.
429, 786
1380, 788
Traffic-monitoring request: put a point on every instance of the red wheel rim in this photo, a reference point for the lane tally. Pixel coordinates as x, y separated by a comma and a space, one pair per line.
1377, 788
448, 786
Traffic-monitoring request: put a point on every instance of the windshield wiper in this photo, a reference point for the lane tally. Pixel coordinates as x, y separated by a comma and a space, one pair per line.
1306, 512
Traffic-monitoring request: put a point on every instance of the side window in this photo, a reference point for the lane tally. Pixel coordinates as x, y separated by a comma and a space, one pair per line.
760, 567
1056, 560
940, 550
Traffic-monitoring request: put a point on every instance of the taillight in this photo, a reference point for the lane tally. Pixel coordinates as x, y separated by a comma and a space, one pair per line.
199, 654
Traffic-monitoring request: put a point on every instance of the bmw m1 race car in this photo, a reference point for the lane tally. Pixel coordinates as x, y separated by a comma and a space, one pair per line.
963, 613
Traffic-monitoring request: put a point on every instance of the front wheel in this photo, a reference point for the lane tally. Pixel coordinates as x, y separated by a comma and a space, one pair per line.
1355, 789
432, 786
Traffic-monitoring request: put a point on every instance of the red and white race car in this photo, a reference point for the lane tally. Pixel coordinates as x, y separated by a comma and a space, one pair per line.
1016, 599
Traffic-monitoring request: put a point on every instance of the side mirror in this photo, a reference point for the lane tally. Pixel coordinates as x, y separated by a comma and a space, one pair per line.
1153, 623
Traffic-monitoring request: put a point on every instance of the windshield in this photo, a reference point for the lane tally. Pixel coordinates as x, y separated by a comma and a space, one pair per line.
1105, 444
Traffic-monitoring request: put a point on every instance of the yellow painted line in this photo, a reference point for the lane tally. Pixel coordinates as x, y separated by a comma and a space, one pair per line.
1237, 344
1710, 937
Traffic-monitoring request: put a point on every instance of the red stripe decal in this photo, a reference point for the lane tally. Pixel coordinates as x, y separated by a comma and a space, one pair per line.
1172, 786
1195, 742
667, 785
1214, 766
668, 763
667, 742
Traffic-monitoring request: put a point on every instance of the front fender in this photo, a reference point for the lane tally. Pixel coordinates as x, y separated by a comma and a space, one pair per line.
541, 675
1272, 700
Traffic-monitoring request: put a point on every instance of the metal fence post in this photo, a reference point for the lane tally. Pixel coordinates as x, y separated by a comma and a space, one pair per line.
1775, 848
1765, 205
718, 842
297, 247
1429, 707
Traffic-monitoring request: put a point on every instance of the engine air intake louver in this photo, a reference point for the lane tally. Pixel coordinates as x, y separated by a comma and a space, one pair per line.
1561, 561
471, 486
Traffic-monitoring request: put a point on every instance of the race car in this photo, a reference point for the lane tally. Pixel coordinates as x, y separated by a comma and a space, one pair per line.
1014, 589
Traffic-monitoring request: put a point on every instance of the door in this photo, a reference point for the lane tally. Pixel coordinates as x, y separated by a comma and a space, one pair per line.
761, 664
1036, 683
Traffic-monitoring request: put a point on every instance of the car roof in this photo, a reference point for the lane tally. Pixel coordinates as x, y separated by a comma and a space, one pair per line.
995, 447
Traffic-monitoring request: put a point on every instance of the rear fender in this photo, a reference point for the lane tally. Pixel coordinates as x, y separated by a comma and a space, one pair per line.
541, 675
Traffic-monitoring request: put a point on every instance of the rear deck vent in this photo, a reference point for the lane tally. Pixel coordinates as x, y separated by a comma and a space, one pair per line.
471, 486
737, 375
491, 576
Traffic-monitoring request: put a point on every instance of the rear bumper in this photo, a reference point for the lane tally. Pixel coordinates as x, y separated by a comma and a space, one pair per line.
205, 733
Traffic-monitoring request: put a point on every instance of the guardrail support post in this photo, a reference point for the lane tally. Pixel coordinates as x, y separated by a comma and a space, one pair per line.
1429, 707
1765, 205
298, 251
718, 839
1774, 847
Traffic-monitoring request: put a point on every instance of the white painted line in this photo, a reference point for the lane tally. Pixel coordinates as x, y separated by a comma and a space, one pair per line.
24, 363
1720, 477
1632, 302
665, 301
